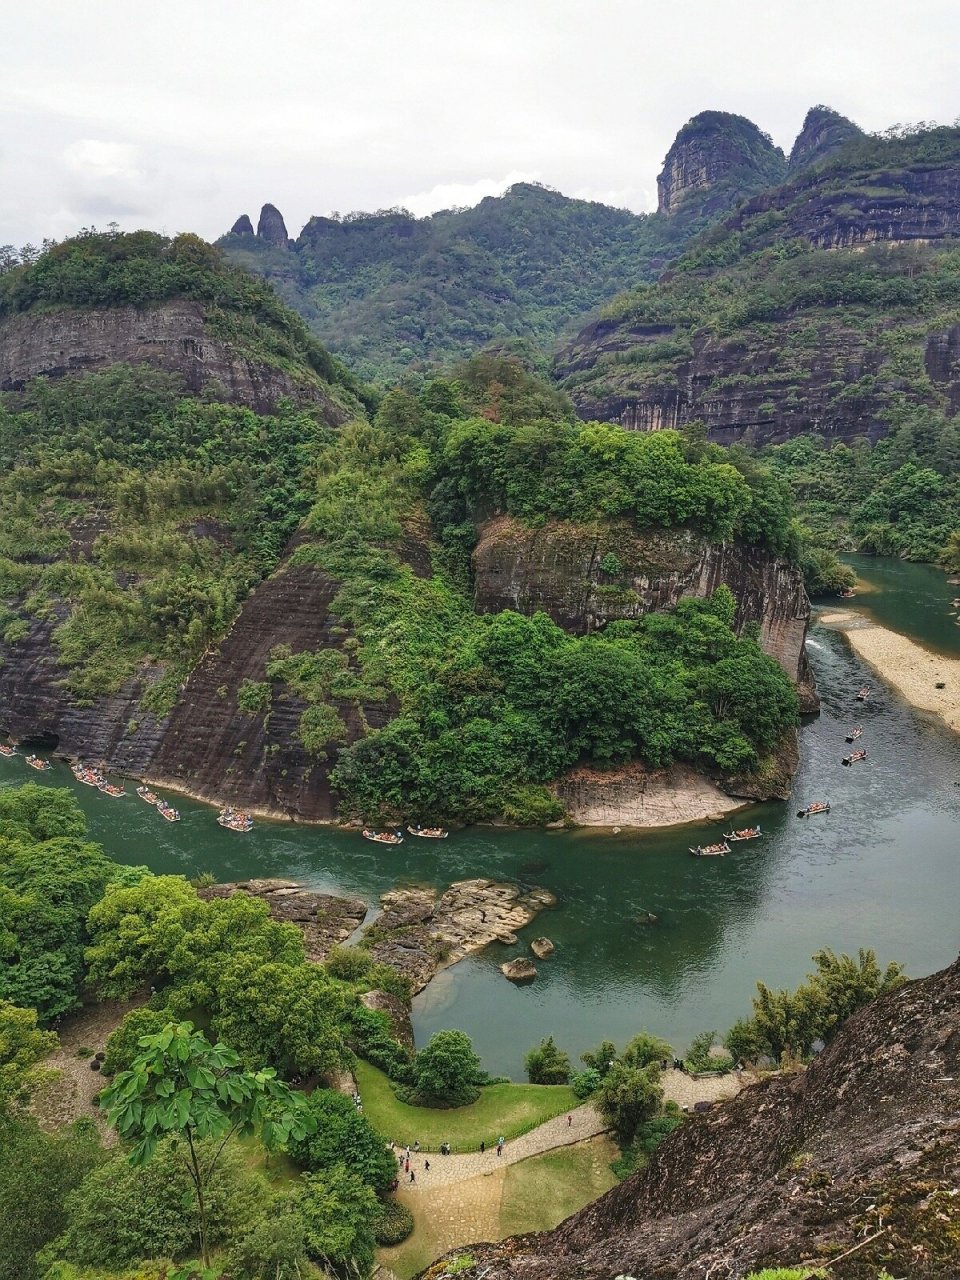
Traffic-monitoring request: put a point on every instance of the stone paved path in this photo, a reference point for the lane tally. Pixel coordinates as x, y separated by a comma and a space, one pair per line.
584, 1122
444, 1170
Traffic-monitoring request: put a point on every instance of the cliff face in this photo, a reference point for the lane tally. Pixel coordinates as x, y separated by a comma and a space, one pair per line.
824, 132
557, 569
176, 336
712, 147
859, 1150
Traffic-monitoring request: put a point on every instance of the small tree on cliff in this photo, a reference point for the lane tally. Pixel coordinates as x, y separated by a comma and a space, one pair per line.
182, 1085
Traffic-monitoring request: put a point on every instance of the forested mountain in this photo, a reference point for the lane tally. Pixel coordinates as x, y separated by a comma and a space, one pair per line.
198, 579
390, 293
827, 306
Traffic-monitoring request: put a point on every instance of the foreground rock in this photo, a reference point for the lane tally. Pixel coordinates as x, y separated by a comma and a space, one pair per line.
323, 919
861, 1150
542, 947
420, 933
519, 970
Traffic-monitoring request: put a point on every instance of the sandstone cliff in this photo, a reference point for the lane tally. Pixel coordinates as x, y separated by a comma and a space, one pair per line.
859, 1152
716, 147
177, 336
557, 569
824, 132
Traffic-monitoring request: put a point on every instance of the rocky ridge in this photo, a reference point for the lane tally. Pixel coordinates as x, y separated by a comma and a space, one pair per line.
717, 147
824, 132
851, 1163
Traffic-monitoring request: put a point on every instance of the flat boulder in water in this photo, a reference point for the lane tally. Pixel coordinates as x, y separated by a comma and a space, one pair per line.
519, 970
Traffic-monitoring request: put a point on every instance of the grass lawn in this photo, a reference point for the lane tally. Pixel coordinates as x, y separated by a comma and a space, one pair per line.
534, 1195
508, 1109
540, 1192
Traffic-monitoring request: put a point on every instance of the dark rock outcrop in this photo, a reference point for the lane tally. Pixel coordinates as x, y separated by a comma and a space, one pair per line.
243, 226
860, 1150
271, 228
714, 147
824, 132
557, 569
174, 336
324, 920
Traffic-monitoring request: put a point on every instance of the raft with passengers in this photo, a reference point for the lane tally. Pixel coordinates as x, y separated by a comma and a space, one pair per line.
854, 734
864, 693
854, 758
818, 806
7, 750
150, 797
718, 850
235, 820
35, 762
748, 833
428, 833
168, 811
382, 837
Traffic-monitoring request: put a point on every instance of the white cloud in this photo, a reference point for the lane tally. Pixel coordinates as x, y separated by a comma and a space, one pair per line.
92, 158
462, 195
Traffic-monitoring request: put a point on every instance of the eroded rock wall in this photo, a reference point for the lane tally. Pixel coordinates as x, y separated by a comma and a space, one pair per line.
173, 336
558, 569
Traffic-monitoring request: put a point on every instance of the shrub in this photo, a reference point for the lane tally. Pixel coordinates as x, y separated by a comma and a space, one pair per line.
368, 1033
447, 1072
393, 1223
253, 697
348, 963
546, 1064
275, 1248
586, 1083
700, 1059
123, 1043
344, 1137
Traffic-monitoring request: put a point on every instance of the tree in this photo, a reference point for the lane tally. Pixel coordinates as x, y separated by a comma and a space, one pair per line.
845, 985
183, 1085
339, 1212
122, 1213
645, 1049
447, 1072
22, 1046
628, 1096
343, 1136
37, 1172
275, 1248
600, 1059
546, 1064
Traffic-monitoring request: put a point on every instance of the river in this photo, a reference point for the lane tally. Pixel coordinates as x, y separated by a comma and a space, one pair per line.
881, 870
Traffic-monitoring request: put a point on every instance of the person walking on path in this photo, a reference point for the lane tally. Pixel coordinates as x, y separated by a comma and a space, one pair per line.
426, 1166
406, 1167
416, 1145
569, 1121
413, 1176
483, 1146
500, 1145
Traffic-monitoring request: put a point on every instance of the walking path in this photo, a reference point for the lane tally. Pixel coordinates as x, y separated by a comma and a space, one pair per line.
583, 1123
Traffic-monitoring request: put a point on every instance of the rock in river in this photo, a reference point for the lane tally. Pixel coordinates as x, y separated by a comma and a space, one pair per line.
323, 919
542, 947
519, 970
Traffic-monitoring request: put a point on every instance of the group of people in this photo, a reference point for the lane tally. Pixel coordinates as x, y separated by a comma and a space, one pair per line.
405, 1154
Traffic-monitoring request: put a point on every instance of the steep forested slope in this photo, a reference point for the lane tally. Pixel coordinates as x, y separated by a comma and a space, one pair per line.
390, 292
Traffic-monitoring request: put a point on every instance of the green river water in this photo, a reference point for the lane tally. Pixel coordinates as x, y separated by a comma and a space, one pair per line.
881, 870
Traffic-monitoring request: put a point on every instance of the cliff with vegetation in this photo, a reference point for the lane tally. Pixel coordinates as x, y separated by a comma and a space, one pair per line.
849, 1164
824, 305
263, 609
717, 155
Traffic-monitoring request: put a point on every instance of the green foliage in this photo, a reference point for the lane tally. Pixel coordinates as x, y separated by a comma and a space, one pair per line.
546, 1064
37, 1174
274, 1249
790, 1022
50, 877
370, 1035
393, 1223
699, 1058
900, 498
339, 1212
649, 1134
122, 1213
393, 293
343, 1136
183, 1087
629, 1096
22, 1046
123, 1043
446, 1072
586, 1083
253, 697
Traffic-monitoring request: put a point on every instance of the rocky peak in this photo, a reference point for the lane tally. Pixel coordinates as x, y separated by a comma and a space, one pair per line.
243, 226
824, 131
271, 228
717, 147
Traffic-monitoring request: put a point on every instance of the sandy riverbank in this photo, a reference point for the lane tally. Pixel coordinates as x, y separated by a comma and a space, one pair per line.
912, 670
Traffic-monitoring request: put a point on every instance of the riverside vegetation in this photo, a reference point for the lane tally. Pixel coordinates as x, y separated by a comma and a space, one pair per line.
261, 1020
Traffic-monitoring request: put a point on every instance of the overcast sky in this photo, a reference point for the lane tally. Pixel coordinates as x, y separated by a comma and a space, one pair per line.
183, 114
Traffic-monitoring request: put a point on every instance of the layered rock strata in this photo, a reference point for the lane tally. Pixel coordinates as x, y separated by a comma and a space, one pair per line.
557, 569
175, 336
